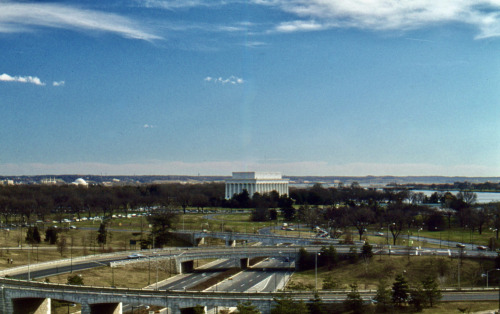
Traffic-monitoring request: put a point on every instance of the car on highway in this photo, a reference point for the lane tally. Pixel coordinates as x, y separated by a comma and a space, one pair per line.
482, 248
135, 255
460, 245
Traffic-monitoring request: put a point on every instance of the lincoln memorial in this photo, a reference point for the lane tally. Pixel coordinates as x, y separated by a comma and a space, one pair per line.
261, 182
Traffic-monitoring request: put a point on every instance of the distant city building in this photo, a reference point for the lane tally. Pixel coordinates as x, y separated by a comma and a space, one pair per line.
49, 181
80, 182
7, 182
261, 182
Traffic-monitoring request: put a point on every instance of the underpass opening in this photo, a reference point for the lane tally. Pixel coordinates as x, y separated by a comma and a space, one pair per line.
32, 305
106, 308
187, 267
193, 310
244, 263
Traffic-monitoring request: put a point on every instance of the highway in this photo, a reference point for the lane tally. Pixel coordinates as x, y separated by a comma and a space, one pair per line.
186, 281
267, 276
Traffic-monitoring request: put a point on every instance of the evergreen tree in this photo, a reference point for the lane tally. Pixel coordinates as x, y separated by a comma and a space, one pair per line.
383, 297
353, 302
400, 291
316, 305
51, 235
286, 305
353, 255
305, 260
29, 235
431, 290
418, 298
36, 236
367, 250
329, 257
329, 283
75, 280
247, 308
101, 234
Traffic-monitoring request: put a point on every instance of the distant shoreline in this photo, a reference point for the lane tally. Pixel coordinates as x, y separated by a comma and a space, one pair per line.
294, 180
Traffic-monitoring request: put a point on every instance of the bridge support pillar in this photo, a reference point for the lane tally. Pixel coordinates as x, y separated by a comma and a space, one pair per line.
85, 308
32, 305
200, 241
105, 308
230, 242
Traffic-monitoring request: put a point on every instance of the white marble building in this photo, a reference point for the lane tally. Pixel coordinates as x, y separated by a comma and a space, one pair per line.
262, 182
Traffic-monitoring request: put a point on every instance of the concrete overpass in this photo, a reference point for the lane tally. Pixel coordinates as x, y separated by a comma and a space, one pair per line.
230, 238
17, 296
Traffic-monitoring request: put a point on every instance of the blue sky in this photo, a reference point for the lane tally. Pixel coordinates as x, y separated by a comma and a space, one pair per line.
316, 87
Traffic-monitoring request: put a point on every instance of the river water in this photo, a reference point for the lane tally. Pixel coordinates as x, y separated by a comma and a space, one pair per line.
482, 197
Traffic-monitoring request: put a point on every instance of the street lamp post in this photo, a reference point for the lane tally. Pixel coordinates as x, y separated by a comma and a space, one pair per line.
316, 268
156, 275
487, 275
29, 262
487, 284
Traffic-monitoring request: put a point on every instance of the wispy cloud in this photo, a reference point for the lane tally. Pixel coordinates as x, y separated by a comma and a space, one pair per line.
179, 4
378, 15
254, 44
23, 17
295, 26
21, 79
230, 80
148, 126
388, 14
60, 83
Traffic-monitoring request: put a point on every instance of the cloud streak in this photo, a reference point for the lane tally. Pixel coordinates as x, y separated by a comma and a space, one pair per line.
21, 79
24, 17
376, 15
233, 80
388, 14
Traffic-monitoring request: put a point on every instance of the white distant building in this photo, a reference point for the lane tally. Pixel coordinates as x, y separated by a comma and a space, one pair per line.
80, 182
261, 182
49, 181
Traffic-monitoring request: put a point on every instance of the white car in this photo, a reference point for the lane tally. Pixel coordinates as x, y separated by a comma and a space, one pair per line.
136, 255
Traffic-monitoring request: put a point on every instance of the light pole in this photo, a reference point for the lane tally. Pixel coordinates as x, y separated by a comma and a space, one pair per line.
29, 262
156, 275
487, 278
316, 268
418, 233
149, 271
487, 275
